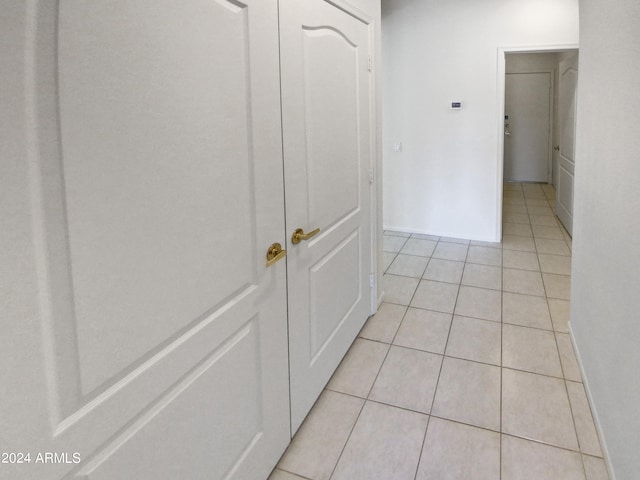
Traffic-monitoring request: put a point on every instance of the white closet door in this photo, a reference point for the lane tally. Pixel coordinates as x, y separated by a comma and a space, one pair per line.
566, 157
141, 188
326, 94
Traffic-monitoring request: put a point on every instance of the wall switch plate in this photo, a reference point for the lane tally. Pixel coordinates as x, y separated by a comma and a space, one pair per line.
397, 147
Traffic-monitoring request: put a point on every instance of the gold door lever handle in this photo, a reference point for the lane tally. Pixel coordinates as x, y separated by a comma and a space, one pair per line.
275, 253
299, 235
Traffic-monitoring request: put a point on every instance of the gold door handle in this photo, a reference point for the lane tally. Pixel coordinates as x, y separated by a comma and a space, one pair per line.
275, 253
299, 235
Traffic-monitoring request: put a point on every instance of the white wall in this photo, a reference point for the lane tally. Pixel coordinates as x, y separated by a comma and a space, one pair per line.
605, 300
446, 181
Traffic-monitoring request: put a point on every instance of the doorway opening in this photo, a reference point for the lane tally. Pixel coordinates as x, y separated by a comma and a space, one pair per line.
533, 123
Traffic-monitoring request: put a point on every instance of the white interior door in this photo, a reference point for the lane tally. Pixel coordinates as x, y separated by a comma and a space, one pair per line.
566, 158
527, 144
143, 185
326, 88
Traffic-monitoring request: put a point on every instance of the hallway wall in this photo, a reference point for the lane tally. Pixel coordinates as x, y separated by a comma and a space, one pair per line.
605, 304
446, 179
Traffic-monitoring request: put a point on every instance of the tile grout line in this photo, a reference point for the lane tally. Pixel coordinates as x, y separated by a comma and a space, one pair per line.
435, 389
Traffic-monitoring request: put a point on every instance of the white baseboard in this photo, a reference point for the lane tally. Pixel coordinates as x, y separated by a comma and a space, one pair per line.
596, 419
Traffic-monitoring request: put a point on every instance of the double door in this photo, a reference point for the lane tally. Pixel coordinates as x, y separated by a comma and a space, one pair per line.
151, 163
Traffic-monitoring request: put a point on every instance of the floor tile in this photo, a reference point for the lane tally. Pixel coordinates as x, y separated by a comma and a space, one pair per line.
558, 264
568, 358
516, 218
521, 229
453, 451
525, 310
451, 251
385, 443
521, 281
544, 231
479, 303
399, 289
533, 189
537, 210
520, 208
539, 201
468, 392
520, 260
481, 243
595, 468
446, 271
512, 186
417, 246
407, 379
357, 371
514, 242
552, 247
437, 296
516, 200
559, 310
524, 460
408, 266
557, 286
483, 276
397, 234
585, 428
382, 326
455, 240
530, 349
278, 474
546, 220
387, 259
513, 192
392, 243
425, 330
422, 236
474, 339
484, 255
316, 447
537, 407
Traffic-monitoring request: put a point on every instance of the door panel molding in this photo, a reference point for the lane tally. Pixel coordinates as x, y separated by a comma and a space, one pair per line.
235, 447
324, 295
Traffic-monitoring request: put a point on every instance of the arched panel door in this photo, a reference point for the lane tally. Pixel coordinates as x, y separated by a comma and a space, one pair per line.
566, 157
326, 95
143, 335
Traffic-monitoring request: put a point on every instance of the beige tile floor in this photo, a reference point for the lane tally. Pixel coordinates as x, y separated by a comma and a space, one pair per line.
467, 370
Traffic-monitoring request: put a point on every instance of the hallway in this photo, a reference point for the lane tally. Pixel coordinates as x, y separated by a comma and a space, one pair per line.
467, 370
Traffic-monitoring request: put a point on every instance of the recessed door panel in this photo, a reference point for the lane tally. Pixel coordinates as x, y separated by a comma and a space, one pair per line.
147, 138
330, 307
169, 441
331, 86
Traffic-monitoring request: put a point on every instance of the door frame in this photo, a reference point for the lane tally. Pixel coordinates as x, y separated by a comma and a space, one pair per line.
500, 101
